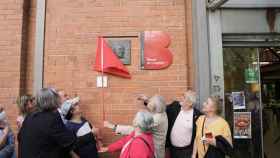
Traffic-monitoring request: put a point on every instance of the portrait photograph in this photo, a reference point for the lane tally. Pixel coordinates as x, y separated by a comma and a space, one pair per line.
122, 48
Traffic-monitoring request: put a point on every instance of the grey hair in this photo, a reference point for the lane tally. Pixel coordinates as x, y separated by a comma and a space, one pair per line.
157, 104
191, 96
47, 99
144, 120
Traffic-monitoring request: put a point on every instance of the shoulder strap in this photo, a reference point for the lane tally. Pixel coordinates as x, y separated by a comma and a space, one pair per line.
202, 130
147, 144
197, 113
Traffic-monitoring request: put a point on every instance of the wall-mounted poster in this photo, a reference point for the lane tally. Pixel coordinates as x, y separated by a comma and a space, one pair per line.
242, 125
238, 100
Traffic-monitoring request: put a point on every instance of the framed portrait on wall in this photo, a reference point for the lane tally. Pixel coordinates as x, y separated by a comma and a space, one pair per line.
122, 48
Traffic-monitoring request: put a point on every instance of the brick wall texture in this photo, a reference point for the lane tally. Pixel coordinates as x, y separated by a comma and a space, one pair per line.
72, 27
11, 15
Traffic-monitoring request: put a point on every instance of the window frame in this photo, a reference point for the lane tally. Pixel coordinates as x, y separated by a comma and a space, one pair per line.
252, 4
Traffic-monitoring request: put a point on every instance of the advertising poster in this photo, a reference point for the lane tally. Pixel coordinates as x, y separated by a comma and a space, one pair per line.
242, 125
238, 100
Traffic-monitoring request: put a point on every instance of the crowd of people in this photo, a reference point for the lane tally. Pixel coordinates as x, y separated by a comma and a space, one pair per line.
51, 125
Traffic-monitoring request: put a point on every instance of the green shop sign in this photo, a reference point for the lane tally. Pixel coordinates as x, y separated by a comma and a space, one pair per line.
251, 75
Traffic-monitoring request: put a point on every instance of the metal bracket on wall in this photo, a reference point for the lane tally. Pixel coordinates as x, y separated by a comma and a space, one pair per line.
215, 4
129, 36
251, 40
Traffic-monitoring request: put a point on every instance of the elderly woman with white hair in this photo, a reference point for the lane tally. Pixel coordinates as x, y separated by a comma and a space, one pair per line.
139, 143
156, 105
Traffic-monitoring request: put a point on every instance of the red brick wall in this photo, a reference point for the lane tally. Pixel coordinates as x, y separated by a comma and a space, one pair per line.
190, 62
11, 14
71, 31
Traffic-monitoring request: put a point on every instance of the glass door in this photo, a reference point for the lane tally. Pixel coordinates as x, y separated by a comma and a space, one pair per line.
270, 81
243, 108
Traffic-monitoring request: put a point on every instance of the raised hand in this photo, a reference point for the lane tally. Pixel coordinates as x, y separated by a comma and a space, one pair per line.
210, 141
108, 124
142, 97
103, 150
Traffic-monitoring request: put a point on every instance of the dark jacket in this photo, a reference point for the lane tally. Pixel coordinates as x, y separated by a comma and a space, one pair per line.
85, 145
43, 135
222, 148
173, 111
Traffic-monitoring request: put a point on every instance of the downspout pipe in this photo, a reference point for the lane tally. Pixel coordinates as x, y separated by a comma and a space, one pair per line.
39, 46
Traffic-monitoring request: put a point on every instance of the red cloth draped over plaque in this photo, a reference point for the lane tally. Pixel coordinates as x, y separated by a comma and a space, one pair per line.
106, 60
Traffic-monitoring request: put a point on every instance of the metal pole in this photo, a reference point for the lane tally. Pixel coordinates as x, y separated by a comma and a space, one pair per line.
102, 70
260, 100
39, 46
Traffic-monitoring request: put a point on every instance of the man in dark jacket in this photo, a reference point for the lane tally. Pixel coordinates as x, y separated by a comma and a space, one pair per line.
43, 134
182, 126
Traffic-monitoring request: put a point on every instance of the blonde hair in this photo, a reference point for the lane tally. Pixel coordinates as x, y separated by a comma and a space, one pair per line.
22, 102
157, 104
217, 103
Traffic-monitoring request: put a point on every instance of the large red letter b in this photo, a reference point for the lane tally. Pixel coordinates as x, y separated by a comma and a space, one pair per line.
156, 54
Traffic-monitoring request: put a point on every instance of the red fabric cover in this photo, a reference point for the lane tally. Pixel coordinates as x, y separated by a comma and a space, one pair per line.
111, 63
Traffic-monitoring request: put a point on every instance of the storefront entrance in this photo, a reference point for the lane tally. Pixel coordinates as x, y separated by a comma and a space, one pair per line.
252, 100
270, 79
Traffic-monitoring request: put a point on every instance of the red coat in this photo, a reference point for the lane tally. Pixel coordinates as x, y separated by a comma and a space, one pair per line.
137, 147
